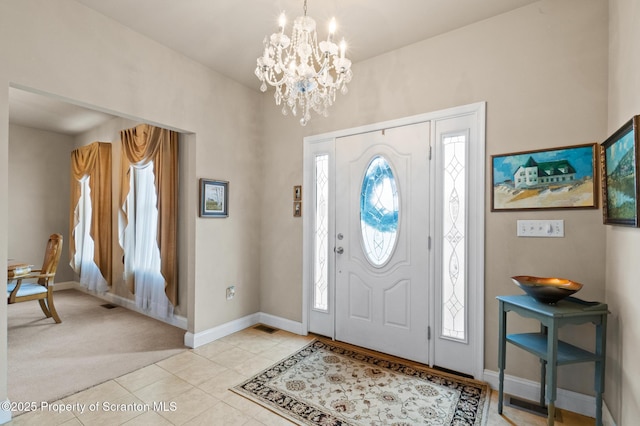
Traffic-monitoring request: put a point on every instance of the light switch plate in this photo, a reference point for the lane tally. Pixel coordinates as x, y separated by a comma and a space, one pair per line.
541, 228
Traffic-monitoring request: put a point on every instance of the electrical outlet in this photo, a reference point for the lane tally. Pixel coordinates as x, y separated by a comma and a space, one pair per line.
541, 228
231, 292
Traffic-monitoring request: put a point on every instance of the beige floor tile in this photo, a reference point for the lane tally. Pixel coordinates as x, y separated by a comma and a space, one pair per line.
107, 391
143, 377
200, 370
269, 418
243, 404
257, 344
253, 366
73, 422
180, 362
188, 405
219, 384
115, 411
220, 414
212, 349
164, 390
237, 338
150, 418
295, 344
277, 353
42, 417
253, 422
233, 357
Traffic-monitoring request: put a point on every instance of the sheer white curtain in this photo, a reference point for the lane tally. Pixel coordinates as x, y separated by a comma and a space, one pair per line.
83, 261
140, 243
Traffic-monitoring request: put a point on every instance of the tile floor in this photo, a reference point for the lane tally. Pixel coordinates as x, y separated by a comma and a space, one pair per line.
194, 387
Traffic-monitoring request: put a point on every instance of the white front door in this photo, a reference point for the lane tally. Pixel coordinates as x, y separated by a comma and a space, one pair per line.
382, 231
412, 288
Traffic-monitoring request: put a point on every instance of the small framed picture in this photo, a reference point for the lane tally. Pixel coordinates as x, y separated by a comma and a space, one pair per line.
619, 168
297, 193
214, 198
297, 208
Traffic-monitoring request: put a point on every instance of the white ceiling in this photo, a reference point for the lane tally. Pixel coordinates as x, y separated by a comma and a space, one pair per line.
227, 35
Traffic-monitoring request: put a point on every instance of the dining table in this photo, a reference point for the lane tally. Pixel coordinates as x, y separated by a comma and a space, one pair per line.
17, 269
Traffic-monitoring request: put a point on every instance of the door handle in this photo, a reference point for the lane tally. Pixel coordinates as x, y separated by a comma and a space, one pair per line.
339, 250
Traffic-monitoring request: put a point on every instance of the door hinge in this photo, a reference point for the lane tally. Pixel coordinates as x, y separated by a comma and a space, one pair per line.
429, 152
428, 332
429, 242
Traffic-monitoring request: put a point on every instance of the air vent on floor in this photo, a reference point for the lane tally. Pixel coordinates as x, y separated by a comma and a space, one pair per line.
109, 306
265, 328
530, 407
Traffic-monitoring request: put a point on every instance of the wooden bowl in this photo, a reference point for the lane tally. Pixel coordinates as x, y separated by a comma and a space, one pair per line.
546, 290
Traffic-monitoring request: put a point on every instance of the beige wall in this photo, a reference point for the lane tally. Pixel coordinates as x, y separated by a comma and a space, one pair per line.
62, 48
542, 70
623, 244
39, 193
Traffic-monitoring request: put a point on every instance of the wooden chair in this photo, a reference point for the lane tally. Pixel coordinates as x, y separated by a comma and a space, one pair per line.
42, 290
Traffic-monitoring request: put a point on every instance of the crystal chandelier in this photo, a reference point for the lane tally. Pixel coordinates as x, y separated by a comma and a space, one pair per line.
305, 73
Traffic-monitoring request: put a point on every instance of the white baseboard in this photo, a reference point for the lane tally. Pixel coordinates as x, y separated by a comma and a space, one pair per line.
5, 414
565, 399
294, 327
202, 338
176, 320
66, 285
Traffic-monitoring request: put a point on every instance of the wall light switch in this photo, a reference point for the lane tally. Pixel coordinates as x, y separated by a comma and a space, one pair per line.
541, 228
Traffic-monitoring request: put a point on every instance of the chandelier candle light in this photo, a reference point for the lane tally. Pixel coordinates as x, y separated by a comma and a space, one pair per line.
304, 73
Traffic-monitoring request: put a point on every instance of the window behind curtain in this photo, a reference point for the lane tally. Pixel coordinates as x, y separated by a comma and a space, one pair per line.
142, 255
83, 259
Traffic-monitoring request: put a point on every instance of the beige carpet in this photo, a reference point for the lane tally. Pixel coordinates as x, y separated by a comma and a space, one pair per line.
93, 344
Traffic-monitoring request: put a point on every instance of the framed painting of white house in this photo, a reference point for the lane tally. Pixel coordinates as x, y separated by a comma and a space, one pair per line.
619, 167
556, 178
214, 198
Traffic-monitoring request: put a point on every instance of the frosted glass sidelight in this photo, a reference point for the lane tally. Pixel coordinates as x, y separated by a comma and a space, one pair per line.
321, 240
379, 211
454, 277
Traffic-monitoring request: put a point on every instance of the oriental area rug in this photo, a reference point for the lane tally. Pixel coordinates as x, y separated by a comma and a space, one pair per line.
327, 383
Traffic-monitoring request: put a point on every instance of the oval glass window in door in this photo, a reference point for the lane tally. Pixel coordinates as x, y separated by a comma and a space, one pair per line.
379, 211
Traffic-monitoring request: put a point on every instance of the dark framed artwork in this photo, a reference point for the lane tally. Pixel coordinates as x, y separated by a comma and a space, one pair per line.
556, 178
214, 198
619, 167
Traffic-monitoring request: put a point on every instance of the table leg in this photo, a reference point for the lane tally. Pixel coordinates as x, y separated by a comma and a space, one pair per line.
601, 337
552, 358
502, 343
543, 370
543, 381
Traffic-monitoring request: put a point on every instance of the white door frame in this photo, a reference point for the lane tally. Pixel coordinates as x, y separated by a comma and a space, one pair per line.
326, 143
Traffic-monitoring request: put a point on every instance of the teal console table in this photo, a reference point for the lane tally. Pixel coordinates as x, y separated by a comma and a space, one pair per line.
551, 351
